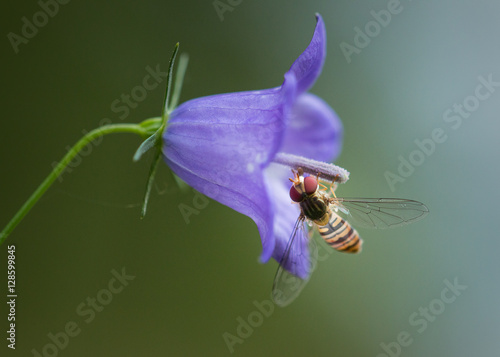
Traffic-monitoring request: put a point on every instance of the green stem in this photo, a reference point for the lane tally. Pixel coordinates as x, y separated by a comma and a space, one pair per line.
142, 130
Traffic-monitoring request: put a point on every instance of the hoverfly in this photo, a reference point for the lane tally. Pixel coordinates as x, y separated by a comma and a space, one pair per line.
320, 209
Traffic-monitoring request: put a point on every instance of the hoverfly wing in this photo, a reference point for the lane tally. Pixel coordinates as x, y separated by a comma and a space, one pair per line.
301, 255
381, 212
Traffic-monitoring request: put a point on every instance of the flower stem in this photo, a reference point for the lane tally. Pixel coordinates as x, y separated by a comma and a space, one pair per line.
140, 129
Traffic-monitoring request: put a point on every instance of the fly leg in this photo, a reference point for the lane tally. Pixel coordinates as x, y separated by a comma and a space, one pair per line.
333, 187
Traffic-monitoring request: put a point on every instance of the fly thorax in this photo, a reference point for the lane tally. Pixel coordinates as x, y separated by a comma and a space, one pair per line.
314, 208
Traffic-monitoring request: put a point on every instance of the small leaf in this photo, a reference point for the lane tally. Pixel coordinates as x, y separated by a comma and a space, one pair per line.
145, 146
179, 79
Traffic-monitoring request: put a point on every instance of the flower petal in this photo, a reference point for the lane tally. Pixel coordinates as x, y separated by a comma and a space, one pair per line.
286, 215
220, 145
309, 64
314, 130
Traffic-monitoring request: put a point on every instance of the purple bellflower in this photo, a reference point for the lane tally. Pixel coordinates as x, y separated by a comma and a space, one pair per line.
238, 148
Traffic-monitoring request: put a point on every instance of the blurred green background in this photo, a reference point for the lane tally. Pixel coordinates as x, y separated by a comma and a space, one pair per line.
195, 282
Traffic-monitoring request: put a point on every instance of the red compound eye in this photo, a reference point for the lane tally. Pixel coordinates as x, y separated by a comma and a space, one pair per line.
295, 195
310, 184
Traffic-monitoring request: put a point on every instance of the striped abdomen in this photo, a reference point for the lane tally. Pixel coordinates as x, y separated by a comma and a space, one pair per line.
340, 235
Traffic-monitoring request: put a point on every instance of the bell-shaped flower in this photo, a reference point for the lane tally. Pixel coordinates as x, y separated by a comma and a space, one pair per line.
235, 147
